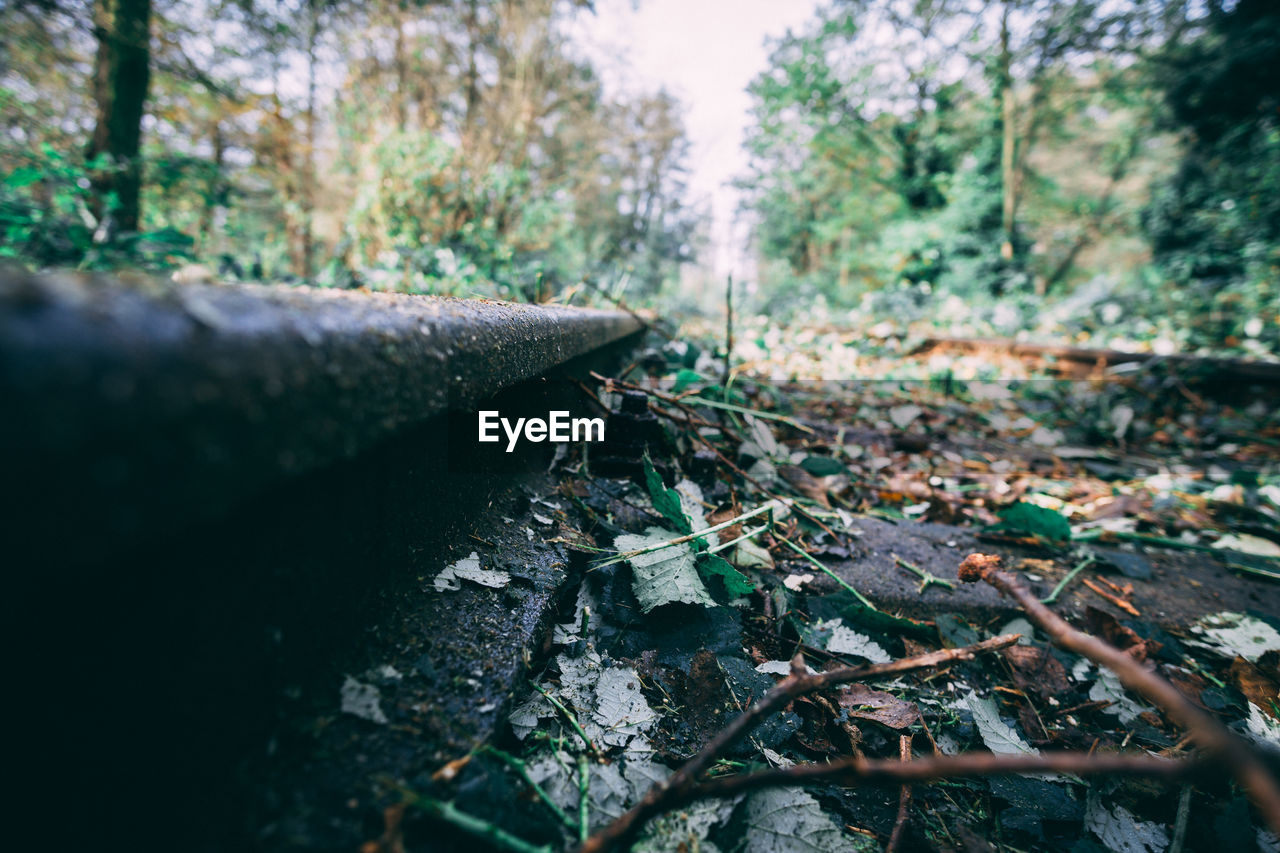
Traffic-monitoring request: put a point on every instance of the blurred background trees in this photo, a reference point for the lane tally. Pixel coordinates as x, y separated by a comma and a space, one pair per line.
411, 144
1015, 164
1048, 167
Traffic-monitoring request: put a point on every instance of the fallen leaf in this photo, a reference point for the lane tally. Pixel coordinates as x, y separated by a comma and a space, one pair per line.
1037, 670
1236, 635
1258, 687
665, 576
789, 820
468, 569
362, 700
866, 704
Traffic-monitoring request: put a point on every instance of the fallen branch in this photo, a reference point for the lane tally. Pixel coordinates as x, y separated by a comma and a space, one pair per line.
1210, 735
867, 771
677, 786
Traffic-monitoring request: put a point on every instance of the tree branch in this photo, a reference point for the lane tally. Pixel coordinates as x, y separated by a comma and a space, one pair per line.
676, 788
1210, 735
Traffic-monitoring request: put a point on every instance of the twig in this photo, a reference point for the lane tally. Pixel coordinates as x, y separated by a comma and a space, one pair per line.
1180, 823
568, 715
496, 836
1209, 734
750, 534
798, 683
864, 771
1126, 606
803, 553
1070, 576
523, 769
728, 331
904, 798
584, 786
927, 579
688, 537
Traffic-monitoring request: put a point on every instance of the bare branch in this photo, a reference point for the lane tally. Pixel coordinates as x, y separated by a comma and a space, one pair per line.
676, 787
1207, 733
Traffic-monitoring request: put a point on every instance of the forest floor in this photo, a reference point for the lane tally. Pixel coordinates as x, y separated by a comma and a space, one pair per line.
794, 511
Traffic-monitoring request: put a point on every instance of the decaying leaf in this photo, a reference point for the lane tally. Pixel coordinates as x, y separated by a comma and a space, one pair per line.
1121, 832
1236, 635
1036, 669
362, 700
685, 828
1107, 688
1257, 685
789, 820
846, 641
1248, 544
1262, 728
665, 576
998, 737
468, 569
866, 704
620, 708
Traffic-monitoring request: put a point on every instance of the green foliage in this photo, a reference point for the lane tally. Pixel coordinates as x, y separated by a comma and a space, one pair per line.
666, 501
1215, 223
1032, 520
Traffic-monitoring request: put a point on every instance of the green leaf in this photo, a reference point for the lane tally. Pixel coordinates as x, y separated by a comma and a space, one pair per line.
685, 378
877, 620
665, 501
736, 584
665, 576
822, 466
23, 176
1032, 520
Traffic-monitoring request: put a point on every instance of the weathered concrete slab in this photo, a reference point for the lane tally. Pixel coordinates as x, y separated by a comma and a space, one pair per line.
1183, 586
135, 404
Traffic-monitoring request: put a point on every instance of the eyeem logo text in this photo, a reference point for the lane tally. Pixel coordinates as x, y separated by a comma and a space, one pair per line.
558, 427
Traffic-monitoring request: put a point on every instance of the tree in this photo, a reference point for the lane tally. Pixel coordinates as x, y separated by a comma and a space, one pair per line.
121, 77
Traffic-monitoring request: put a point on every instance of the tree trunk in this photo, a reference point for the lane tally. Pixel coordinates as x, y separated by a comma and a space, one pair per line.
1008, 111
121, 75
213, 189
306, 200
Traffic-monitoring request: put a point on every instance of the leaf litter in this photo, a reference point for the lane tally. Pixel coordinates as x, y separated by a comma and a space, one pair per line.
659, 650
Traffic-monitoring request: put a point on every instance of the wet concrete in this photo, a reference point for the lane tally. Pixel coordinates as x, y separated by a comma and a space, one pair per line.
1182, 587
133, 403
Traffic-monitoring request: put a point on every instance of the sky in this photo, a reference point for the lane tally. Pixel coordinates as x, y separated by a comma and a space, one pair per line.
705, 52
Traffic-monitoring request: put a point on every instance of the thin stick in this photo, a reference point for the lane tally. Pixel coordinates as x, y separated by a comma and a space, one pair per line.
751, 534
803, 553
496, 836
1126, 606
568, 715
864, 771
1071, 575
927, 579
798, 683
728, 331
689, 537
522, 768
1180, 823
584, 786
1209, 734
904, 798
